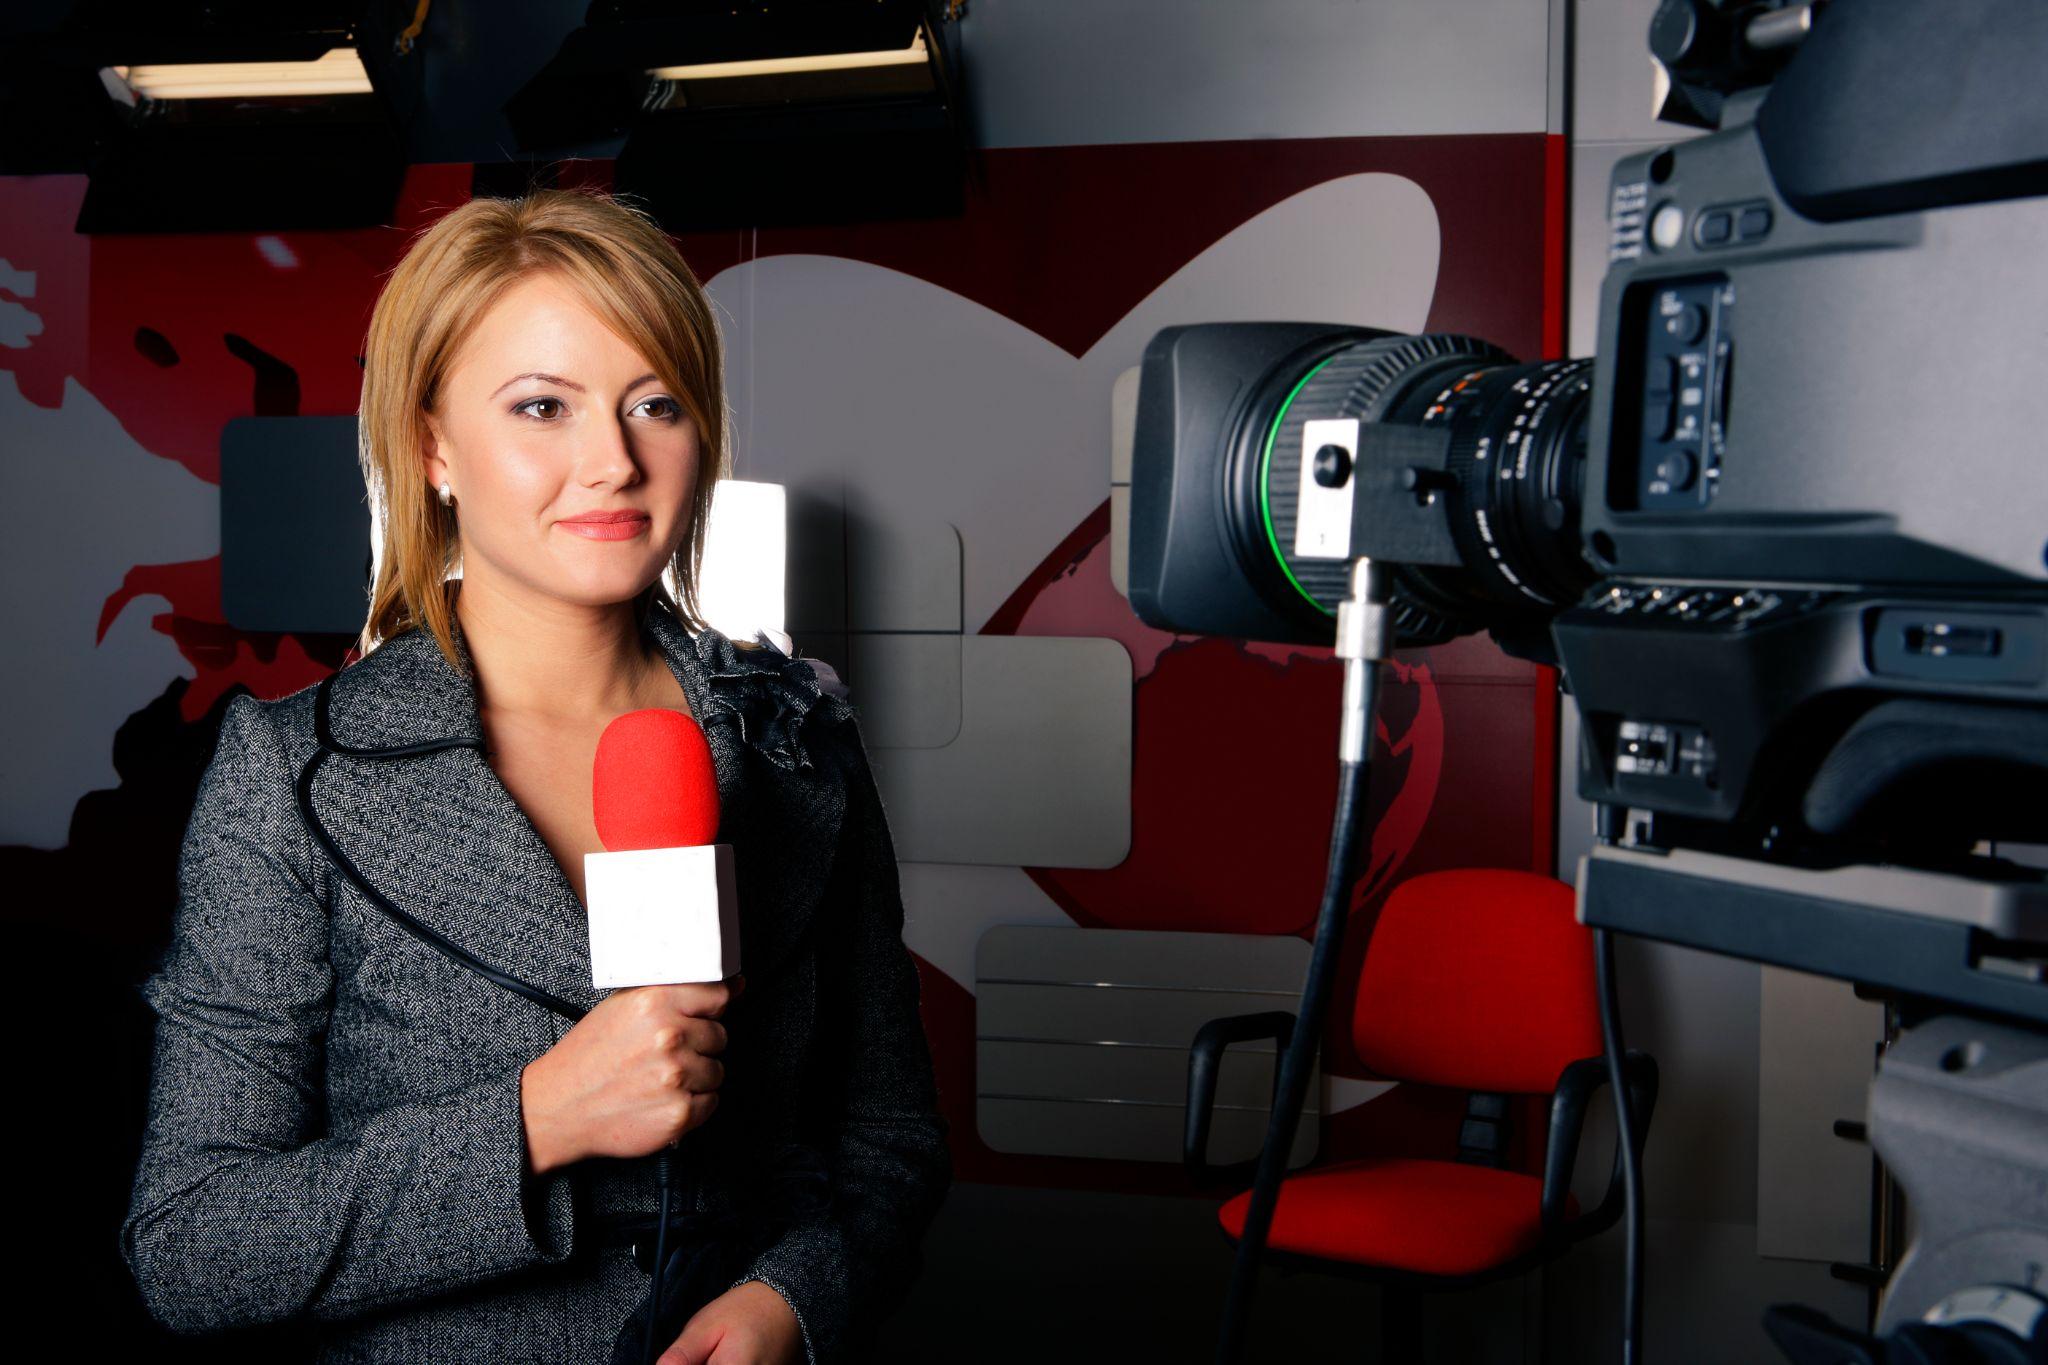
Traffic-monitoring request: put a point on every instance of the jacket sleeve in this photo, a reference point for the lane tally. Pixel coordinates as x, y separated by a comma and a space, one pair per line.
844, 1272
244, 1209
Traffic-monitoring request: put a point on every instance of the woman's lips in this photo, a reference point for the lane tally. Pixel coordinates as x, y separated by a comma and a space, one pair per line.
613, 529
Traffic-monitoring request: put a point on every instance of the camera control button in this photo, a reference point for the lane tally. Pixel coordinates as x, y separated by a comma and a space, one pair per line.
1675, 470
1686, 324
1332, 466
1714, 228
1667, 226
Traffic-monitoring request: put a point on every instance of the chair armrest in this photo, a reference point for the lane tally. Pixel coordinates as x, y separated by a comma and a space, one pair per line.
1568, 1104
1205, 1059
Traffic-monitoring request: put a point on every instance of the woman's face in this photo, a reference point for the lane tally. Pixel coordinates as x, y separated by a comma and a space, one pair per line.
547, 416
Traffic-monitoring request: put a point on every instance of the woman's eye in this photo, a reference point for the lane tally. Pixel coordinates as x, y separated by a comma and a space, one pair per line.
669, 409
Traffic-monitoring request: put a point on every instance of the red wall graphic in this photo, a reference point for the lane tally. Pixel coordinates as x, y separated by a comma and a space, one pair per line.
1063, 241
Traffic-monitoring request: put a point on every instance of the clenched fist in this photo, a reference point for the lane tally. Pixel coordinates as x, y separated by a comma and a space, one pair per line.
633, 1075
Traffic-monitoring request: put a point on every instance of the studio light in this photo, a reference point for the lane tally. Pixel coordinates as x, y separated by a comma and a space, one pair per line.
337, 71
196, 116
914, 55
746, 553
800, 112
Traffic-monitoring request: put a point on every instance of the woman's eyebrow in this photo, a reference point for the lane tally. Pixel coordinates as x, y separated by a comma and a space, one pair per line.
565, 383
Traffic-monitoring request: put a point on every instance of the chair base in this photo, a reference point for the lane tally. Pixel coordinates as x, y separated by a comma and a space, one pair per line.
1401, 1336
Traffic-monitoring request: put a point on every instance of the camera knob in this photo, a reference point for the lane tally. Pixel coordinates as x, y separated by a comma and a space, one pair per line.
1686, 324
1688, 32
1425, 484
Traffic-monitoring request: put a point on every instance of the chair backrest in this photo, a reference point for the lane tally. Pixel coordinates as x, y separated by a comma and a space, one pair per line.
1478, 980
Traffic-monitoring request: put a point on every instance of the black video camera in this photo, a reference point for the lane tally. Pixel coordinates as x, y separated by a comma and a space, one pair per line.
1786, 534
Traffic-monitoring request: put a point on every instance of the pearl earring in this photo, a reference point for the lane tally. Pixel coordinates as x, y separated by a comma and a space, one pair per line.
447, 497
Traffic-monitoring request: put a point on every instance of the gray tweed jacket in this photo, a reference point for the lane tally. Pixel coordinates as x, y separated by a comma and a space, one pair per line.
334, 1134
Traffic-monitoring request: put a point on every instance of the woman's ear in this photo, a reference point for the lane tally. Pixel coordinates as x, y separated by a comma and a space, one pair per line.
431, 459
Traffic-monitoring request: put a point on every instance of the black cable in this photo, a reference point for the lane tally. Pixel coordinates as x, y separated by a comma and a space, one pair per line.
1352, 783
663, 1173
1625, 1135
325, 744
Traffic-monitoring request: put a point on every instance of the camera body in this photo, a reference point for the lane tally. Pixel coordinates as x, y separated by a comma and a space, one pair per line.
1810, 484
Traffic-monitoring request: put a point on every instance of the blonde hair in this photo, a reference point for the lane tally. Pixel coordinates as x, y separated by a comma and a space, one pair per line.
627, 270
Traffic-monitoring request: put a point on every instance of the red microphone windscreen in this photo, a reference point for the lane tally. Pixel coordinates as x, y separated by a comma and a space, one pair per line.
654, 785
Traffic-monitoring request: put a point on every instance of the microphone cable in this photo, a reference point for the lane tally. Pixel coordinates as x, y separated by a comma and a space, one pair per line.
664, 1175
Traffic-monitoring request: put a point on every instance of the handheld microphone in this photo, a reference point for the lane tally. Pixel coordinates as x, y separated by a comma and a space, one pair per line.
663, 908
663, 905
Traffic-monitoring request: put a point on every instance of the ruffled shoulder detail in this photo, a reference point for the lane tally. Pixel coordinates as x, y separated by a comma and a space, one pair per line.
776, 700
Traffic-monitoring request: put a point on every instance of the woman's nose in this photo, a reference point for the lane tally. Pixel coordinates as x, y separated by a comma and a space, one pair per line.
607, 456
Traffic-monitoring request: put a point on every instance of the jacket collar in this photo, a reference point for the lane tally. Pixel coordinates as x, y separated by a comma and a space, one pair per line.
514, 906
404, 692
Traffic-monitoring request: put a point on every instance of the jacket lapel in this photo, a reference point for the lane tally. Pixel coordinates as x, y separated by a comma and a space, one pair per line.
441, 836
770, 724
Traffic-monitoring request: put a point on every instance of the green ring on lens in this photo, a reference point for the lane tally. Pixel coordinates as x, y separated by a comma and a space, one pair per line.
1266, 503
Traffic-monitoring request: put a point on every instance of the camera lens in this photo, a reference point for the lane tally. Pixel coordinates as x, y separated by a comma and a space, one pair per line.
1508, 490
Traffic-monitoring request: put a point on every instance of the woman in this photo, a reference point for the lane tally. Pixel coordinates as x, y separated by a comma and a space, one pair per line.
352, 1129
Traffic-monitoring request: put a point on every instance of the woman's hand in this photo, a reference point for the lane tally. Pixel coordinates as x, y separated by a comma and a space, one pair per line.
633, 1075
749, 1324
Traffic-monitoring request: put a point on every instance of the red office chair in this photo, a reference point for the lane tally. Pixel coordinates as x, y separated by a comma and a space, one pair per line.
1480, 981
